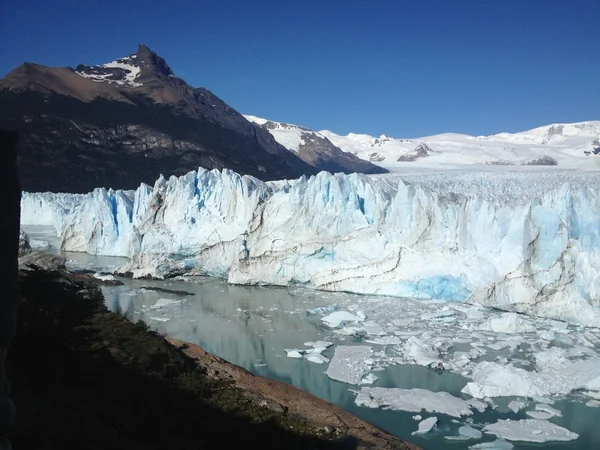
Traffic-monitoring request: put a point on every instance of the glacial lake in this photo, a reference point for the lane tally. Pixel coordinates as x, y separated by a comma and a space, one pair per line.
253, 327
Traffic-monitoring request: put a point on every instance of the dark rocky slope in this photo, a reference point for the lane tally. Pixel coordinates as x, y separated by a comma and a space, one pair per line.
84, 377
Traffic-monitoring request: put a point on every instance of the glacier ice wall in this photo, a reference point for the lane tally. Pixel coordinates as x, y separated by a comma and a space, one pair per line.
522, 243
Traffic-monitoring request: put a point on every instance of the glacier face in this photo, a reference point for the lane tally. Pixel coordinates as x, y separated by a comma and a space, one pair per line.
520, 242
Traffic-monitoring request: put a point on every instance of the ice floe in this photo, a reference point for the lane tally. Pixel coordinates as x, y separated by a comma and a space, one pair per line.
498, 444
425, 426
340, 318
414, 400
349, 363
516, 405
530, 430
509, 323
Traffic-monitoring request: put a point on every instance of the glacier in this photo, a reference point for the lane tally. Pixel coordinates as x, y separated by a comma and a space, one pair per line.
527, 242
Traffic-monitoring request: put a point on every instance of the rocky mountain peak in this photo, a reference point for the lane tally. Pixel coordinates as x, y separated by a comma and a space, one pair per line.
151, 62
133, 70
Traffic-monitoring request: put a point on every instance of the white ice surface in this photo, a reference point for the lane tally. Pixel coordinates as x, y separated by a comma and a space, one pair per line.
414, 400
498, 444
350, 363
425, 426
469, 432
565, 143
520, 241
491, 379
516, 405
530, 430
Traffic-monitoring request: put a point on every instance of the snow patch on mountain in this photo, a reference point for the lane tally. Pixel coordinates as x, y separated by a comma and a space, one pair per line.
126, 72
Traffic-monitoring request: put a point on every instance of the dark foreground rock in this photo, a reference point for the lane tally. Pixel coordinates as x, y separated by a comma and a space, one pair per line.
10, 190
84, 377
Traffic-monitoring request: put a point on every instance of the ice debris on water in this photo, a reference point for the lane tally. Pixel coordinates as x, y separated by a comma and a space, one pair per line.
425, 426
498, 444
319, 310
414, 400
349, 363
516, 405
338, 319
530, 430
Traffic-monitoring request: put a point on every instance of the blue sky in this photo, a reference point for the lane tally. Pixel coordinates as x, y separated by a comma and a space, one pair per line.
404, 68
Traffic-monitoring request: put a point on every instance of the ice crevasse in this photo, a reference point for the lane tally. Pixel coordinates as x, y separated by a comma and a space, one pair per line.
530, 245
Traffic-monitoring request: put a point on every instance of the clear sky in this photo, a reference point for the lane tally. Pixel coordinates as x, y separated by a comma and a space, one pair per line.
405, 68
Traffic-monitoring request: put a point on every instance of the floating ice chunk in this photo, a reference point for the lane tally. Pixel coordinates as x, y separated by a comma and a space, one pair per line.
409, 333
373, 329
530, 430
294, 353
539, 415
317, 358
593, 394
469, 432
491, 379
478, 405
592, 403
417, 417
498, 444
425, 426
422, 353
545, 400
437, 314
369, 379
508, 323
516, 405
403, 322
101, 277
319, 344
414, 400
38, 243
502, 344
323, 309
164, 302
384, 340
159, 319
548, 409
348, 364
339, 318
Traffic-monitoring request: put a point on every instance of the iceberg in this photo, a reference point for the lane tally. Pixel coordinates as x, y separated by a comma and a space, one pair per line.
425, 426
413, 400
529, 430
527, 244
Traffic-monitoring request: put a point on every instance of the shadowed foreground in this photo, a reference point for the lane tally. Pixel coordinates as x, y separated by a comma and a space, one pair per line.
84, 377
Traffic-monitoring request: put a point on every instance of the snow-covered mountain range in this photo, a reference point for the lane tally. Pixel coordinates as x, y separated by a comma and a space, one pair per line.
574, 145
314, 148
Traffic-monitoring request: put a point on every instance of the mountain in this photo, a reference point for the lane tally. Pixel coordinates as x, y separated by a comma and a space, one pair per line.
574, 145
125, 122
314, 148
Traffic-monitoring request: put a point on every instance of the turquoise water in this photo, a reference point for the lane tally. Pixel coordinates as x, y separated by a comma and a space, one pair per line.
252, 327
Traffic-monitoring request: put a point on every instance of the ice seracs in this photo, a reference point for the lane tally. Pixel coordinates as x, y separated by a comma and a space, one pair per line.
524, 243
